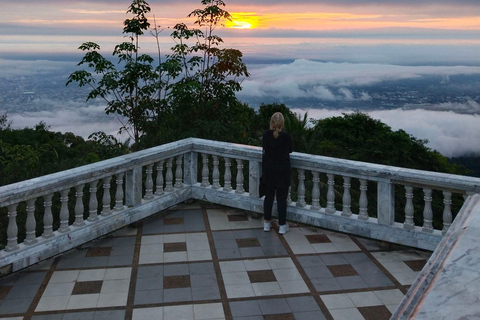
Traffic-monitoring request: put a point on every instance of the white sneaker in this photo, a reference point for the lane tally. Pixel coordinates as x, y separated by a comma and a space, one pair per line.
267, 226
283, 229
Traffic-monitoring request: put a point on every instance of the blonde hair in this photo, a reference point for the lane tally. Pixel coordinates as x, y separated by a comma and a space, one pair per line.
276, 123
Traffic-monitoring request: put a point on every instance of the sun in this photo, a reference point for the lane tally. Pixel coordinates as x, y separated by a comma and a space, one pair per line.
243, 20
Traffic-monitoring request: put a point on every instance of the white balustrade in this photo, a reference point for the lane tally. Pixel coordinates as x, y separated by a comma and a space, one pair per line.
447, 211
12, 229
215, 174
31, 223
159, 180
106, 199
149, 182
330, 194
205, 171
173, 187
239, 189
427, 211
48, 217
93, 203
227, 185
315, 191
409, 210
64, 213
346, 199
301, 189
363, 201
119, 192
178, 172
169, 176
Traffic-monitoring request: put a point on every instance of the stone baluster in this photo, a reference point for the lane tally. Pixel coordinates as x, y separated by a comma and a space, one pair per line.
409, 224
215, 174
330, 195
205, 170
363, 201
301, 189
93, 202
315, 191
119, 192
31, 223
289, 196
239, 188
64, 213
79, 208
12, 229
159, 183
106, 200
347, 198
447, 211
179, 172
227, 186
169, 176
48, 217
149, 182
427, 211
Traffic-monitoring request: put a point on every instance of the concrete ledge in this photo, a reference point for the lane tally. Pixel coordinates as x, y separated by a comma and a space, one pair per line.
447, 287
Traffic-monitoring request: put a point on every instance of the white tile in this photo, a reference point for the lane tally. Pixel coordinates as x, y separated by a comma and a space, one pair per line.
110, 286
302, 249
281, 263
208, 311
156, 239
150, 258
239, 291
364, 299
232, 266
52, 303
112, 299
346, 314
148, 313
257, 264
393, 296
83, 301
240, 225
199, 255
405, 278
178, 312
287, 274
324, 247
64, 276
337, 301
151, 248
392, 307
196, 237
91, 275
266, 288
58, 289
396, 266
346, 246
178, 237
198, 245
118, 273
240, 277
175, 256
295, 286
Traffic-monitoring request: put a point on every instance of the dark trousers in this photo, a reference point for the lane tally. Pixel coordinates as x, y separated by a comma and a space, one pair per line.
282, 194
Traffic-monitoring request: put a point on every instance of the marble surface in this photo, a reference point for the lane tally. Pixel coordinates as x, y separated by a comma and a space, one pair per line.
448, 288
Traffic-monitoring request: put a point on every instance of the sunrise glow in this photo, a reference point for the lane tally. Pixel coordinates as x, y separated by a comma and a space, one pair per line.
243, 20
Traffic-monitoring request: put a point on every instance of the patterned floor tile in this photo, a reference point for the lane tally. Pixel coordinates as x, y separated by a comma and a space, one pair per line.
305, 240
404, 265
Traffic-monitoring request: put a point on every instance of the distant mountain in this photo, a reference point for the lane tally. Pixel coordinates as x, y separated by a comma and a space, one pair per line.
471, 163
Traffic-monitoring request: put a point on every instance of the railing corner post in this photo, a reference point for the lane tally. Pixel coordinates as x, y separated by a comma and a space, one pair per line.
133, 187
190, 163
386, 202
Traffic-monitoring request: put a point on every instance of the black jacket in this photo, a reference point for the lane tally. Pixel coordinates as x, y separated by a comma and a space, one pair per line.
276, 169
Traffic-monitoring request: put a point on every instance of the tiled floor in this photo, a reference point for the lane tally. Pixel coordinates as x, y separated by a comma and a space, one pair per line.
204, 262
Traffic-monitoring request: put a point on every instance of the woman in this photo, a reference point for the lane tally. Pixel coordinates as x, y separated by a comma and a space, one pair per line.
277, 146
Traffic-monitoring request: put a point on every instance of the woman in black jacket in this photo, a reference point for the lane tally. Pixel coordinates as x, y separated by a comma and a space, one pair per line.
276, 171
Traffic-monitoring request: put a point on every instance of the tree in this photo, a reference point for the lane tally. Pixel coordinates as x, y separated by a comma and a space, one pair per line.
130, 92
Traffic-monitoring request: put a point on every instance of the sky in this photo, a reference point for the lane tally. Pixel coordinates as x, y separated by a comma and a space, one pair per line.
330, 46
